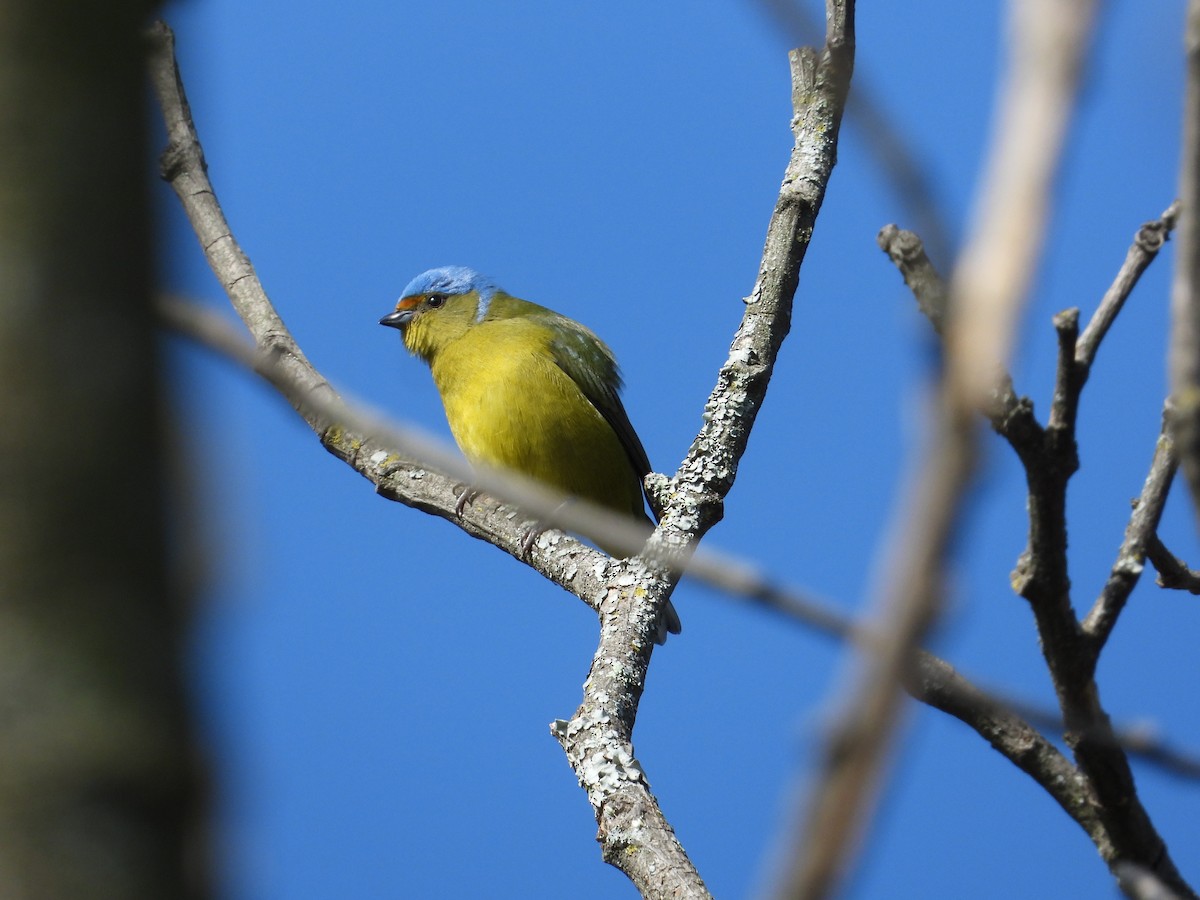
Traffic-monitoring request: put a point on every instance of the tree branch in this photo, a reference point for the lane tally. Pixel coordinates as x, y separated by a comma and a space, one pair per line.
630, 592
995, 271
1173, 572
1010, 416
882, 136
936, 683
692, 499
1149, 239
1131, 558
1049, 459
631, 821
987, 291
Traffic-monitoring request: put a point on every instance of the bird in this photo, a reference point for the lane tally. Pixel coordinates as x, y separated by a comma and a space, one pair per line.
527, 389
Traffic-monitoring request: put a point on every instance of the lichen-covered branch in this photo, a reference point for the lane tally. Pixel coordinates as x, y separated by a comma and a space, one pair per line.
629, 593
691, 501
883, 134
632, 816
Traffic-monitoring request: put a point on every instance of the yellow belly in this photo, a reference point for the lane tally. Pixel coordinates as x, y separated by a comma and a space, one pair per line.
510, 405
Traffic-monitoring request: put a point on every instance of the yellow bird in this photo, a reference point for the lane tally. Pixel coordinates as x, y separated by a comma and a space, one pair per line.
526, 389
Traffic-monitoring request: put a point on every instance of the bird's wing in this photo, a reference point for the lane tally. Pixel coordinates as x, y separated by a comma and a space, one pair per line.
591, 365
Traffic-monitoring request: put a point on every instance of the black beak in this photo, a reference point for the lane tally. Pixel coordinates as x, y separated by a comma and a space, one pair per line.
397, 319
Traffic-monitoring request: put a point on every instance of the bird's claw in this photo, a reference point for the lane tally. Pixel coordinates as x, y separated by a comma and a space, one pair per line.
465, 499
529, 538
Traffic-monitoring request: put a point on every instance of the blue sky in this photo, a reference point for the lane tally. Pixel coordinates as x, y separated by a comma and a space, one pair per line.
377, 687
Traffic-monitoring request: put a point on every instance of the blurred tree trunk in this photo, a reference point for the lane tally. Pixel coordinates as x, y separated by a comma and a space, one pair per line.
97, 771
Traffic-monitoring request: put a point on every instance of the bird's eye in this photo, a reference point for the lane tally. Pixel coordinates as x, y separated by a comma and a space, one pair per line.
436, 301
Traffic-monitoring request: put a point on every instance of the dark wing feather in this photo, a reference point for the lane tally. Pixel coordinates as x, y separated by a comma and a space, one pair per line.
591, 365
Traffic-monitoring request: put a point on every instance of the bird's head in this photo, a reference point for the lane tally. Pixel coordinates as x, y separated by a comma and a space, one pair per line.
438, 306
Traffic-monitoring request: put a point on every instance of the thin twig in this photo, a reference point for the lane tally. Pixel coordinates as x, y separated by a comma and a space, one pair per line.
937, 684
1149, 239
1131, 558
1010, 416
1173, 572
907, 252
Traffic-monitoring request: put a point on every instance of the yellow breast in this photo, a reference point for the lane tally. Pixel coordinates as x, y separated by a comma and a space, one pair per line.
510, 405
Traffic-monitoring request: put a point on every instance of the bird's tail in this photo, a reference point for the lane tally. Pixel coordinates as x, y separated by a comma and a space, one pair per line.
668, 623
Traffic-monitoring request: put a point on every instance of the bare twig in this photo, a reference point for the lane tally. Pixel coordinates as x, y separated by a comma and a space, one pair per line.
1146, 244
1010, 416
1185, 292
994, 274
936, 683
1049, 458
907, 252
1173, 572
1014, 220
1131, 558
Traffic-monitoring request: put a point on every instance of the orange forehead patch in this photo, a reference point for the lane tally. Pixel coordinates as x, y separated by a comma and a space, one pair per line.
410, 302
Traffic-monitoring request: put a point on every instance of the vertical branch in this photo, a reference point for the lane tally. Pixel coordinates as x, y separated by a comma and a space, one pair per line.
1185, 293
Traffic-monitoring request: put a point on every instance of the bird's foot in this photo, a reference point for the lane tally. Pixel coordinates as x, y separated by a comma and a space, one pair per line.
529, 537
465, 499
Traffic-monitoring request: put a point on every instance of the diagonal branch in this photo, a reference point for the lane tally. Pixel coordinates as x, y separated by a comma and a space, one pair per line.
601, 729
1149, 239
628, 593
648, 851
1131, 558
1173, 572
936, 683
882, 135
